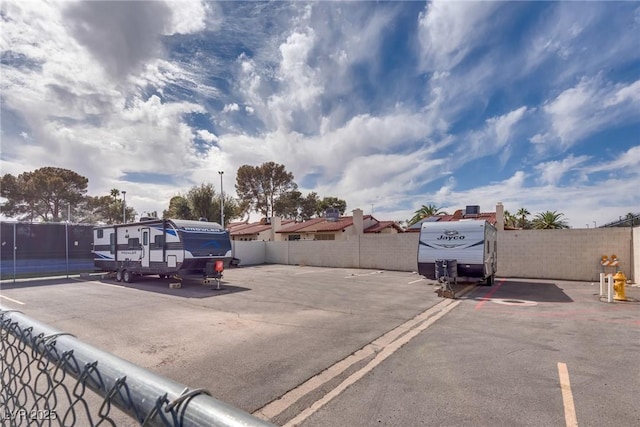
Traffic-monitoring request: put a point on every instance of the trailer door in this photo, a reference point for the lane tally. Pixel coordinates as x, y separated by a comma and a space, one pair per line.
145, 247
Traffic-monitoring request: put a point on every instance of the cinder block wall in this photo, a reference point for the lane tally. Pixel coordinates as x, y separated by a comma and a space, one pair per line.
389, 251
562, 254
545, 254
249, 252
324, 253
276, 252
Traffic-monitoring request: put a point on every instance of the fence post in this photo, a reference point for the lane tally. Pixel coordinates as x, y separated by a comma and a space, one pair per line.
66, 245
15, 249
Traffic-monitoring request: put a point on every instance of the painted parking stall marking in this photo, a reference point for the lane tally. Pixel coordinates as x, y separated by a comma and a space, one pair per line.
567, 396
12, 300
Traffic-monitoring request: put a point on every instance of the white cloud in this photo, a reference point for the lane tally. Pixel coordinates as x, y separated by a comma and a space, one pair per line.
553, 171
188, 16
590, 106
207, 136
231, 107
448, 31
493, 138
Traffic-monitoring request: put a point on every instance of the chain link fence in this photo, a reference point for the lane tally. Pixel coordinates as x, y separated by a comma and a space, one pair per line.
50, 378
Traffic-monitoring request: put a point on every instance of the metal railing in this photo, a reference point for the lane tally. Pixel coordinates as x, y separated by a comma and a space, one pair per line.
50, 378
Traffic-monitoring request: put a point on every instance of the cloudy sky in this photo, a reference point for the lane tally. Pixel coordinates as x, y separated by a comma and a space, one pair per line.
388, 105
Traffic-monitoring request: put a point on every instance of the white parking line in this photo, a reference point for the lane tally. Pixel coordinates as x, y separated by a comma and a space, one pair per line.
313, 271
381, 356
415, 281
567, 396
351, 276
382, 348
12, 300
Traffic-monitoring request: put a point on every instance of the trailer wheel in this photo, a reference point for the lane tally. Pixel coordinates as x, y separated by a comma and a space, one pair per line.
127, 276
119, 276
490, 280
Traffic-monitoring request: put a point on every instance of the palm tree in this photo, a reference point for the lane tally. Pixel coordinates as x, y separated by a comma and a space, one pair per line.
424, 212
549, 220
510, 220
522, 214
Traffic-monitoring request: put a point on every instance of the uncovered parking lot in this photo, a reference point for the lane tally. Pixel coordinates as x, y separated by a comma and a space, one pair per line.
357, 347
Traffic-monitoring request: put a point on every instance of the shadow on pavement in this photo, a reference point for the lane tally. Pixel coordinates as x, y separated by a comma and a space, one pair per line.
522, 290
24, 283
188, 289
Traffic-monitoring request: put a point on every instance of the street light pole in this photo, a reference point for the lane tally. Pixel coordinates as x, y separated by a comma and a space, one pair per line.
124, 207
221, 201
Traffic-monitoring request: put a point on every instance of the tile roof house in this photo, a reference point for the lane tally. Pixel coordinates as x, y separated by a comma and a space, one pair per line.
261, 230
337, 229
314, 229
460, 214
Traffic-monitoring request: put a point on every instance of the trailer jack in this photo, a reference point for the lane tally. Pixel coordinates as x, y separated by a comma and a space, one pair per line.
209, 280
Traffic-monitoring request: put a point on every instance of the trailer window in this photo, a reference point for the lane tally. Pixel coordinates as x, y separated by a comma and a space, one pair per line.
158, 241
112, 243
294, 237
134, 243
100, 233
145, 238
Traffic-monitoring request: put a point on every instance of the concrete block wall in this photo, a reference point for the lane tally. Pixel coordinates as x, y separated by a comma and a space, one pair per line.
276, 252
250, 252
544, 254
389, 251
562, 254
324, 253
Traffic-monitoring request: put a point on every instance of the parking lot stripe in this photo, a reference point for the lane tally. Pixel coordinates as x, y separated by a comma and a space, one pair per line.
415, 281
567, 396
351, 276
12, 300
379, 358
313, 271
488, 295
392, 339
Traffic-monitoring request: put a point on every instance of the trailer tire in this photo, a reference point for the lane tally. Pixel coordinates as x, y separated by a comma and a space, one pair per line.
119, 276
127, 276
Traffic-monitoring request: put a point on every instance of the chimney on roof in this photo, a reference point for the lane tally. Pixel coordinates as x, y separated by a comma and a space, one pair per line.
358, 221
500, 216
276, 224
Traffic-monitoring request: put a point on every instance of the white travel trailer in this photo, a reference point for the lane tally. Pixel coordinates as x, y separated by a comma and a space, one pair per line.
163, 247
471, 243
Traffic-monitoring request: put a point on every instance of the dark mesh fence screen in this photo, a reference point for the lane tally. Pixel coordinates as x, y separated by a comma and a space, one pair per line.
30, 250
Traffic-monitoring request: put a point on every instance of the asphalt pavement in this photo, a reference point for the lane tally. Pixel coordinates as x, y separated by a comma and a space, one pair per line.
315, 347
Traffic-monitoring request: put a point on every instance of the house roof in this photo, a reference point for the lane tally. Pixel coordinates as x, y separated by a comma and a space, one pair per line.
243, 229
382, 225
490, 217
318, 225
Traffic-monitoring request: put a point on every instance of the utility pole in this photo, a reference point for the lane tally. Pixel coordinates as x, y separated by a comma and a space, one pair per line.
221, 201
124, 207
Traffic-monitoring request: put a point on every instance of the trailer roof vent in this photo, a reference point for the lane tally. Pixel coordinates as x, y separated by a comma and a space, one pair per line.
203, 219
332, 214
148, 218
472, 211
